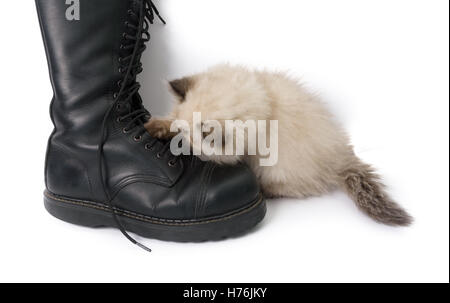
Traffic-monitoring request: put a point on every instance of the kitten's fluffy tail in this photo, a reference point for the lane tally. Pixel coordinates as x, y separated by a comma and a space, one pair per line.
363, 185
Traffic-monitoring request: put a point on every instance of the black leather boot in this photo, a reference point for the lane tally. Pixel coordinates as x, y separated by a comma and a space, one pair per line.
102, 167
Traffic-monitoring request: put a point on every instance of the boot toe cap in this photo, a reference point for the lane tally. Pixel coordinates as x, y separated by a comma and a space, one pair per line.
230, 188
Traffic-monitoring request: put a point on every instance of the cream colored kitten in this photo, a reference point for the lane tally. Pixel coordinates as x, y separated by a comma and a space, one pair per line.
315, 155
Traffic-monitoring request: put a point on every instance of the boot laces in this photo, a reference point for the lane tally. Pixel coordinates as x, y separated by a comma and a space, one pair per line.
128, 101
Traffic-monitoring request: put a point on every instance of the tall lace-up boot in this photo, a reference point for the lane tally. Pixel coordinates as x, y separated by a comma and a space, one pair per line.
102, 167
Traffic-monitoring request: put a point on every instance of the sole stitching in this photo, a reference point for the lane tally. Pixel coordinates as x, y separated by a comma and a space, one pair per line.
153, 221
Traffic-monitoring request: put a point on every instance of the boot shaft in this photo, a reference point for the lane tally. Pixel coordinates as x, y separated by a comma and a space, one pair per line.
82, 41
83, 45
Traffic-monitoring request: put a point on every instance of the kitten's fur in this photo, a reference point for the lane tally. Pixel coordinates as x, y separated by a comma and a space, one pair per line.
315, 155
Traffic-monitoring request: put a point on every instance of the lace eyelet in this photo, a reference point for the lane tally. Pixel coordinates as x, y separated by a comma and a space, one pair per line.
116, 95
119, 120
122, 46
148, 146
137, 138
119, 107
120, 70
120, 59
119, 83
125, 131
171, 163
159, 156
127, 24
124, 35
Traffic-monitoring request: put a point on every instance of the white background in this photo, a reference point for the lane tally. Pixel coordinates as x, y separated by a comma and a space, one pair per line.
381, 65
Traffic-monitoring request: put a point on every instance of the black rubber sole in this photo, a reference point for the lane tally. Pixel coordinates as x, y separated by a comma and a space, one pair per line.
92, 214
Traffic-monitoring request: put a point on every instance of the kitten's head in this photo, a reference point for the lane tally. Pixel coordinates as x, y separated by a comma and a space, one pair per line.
221, 93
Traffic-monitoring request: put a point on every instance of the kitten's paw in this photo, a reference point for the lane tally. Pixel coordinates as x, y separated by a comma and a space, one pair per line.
160, 129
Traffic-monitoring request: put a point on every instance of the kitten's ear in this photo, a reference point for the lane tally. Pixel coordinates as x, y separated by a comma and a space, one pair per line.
180, 87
